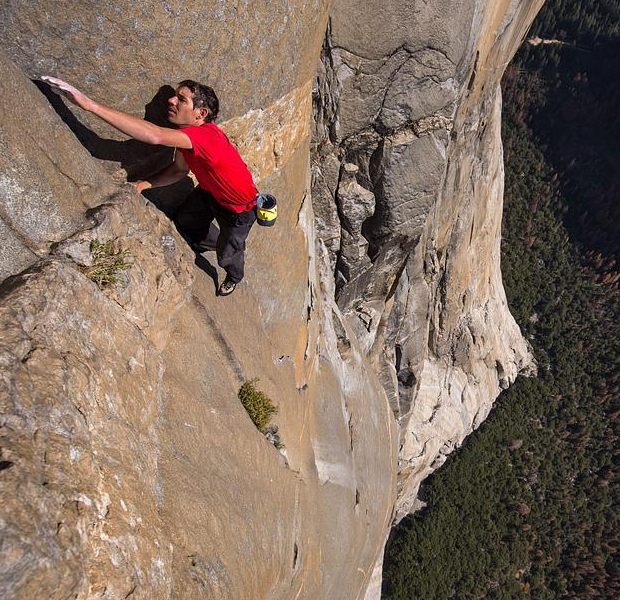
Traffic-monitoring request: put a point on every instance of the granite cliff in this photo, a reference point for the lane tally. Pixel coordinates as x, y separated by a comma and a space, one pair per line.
373, 313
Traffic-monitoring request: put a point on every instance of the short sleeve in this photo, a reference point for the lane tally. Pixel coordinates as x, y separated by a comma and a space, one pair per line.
204, 141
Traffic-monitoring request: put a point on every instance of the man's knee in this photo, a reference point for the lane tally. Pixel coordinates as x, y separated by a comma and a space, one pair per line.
230, 250
194, 216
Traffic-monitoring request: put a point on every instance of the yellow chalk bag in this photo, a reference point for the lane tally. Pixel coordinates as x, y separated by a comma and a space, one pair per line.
266, 210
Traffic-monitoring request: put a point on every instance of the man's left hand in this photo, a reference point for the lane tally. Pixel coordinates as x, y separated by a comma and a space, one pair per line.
68, 91
141, 185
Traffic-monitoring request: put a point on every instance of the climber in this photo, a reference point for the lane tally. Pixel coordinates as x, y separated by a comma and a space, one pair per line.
225, 189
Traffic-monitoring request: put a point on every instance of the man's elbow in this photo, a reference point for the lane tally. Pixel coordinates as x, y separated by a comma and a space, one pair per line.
155, 138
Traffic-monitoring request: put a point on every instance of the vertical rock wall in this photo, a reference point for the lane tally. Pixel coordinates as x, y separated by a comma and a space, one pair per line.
407, 185
128, 467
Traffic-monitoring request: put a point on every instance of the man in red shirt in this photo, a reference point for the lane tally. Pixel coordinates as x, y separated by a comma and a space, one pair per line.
225, 189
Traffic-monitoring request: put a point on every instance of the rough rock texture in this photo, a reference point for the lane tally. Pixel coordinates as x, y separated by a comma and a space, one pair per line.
408, 93
252, 53
46, 179
81, 400
413, 102
128, 468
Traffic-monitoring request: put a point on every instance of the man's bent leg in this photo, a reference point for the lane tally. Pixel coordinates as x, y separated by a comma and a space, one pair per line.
234, 230
194, 217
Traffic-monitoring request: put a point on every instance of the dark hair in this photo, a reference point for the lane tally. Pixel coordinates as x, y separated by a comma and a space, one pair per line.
203, 96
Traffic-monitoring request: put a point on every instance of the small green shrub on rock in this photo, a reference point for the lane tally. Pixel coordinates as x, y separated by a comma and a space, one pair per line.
107, 264
258, 405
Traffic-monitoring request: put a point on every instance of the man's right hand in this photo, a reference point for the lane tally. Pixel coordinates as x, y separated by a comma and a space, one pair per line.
68, 91
141, 185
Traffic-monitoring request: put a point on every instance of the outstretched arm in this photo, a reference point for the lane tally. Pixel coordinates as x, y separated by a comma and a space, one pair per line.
171, 174
139, 129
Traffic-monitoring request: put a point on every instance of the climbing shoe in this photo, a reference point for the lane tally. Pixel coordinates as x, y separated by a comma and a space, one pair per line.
227, 287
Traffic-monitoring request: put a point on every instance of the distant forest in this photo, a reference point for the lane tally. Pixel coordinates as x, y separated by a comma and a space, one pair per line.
568, 94
529, 507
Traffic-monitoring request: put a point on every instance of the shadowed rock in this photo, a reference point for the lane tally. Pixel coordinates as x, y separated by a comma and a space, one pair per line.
47, 179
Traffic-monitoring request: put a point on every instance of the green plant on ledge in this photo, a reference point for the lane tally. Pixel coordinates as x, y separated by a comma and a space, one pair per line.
107, 264
258, 405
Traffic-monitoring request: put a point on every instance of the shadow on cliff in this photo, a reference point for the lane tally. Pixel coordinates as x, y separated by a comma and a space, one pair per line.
204, 265
137, 159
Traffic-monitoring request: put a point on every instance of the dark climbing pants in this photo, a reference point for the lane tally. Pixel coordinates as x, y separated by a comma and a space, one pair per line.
194, 220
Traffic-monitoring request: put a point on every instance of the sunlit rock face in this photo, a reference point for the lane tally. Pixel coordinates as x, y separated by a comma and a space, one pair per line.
407, 103
128, 468
252, 53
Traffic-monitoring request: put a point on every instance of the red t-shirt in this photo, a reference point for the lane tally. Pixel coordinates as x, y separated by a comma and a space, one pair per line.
219, 168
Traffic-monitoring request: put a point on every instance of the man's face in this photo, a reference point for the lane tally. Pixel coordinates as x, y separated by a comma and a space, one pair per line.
181, 109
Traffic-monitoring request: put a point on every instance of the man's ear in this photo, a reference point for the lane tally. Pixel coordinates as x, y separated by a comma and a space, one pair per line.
203, 113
